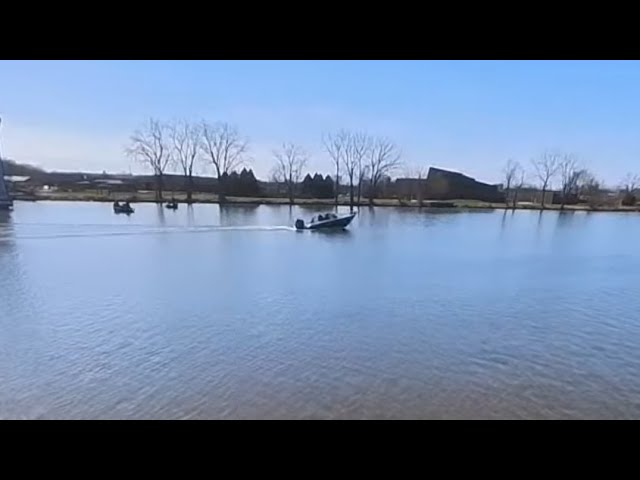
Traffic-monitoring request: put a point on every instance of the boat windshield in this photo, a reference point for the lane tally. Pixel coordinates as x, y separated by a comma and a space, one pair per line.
322, 218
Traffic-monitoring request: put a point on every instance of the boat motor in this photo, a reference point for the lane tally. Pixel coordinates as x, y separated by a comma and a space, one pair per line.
300, 224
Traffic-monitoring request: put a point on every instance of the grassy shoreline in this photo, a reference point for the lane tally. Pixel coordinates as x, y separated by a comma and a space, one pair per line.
206, 198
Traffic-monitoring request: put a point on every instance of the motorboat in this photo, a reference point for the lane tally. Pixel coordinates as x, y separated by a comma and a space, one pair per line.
122, 208
326, 221
172, 205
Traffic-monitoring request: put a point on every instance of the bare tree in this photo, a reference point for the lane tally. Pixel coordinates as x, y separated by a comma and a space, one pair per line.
570, 174
185, 143
384, 158
591, 188
419, 173
225, 149
357, 146
290, 160
630, 183
336, 145
363, 171
545, 168
512, 173
517, 186
148, 146
364, 145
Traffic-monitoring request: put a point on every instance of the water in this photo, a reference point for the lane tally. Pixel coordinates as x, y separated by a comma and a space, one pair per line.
210, 313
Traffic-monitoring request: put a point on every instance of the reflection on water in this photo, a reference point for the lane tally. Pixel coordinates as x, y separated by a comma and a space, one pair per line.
228, 312
5, 218
236, 215
503, 222
191, 217
160, 208
6, 228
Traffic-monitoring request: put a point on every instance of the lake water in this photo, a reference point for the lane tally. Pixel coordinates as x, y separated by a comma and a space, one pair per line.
230, 313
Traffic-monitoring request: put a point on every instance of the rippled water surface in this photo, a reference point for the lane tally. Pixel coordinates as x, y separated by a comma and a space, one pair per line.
230, 313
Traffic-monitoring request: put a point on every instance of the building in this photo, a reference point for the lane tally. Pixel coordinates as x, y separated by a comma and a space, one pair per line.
446, 185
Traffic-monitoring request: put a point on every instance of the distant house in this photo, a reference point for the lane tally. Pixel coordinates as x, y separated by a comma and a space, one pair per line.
446, 185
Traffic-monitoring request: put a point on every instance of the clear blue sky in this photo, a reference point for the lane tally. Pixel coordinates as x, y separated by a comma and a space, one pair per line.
469, 116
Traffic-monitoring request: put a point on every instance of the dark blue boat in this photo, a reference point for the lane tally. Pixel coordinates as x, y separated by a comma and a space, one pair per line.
326, 221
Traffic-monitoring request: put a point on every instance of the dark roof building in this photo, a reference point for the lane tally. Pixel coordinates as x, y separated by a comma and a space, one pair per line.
446, 185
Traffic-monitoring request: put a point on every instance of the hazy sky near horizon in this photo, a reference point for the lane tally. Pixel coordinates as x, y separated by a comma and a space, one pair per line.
469, 116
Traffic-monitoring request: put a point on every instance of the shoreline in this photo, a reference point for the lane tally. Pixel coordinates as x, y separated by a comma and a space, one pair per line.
206, 198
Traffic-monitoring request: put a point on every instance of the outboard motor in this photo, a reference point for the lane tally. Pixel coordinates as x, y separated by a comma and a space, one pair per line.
300, 224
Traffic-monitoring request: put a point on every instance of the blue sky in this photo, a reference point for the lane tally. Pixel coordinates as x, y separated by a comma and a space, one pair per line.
469, 116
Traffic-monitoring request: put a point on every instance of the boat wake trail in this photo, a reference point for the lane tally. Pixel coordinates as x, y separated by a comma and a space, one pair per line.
132, 232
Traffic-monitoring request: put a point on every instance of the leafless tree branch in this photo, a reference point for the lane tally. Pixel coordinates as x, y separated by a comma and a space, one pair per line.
223, 146
545, 168
336, 145
418, 172
513, 172
357, 146
148, 146
570, 175
510, 172
185, 150
290, 161
384, 158
630, 183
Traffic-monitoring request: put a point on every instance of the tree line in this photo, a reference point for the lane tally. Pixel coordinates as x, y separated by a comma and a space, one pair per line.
360, 159
182, 144
573, 178
356, 156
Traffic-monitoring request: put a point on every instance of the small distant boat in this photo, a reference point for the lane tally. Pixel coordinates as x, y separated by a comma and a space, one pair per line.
122, 208
172, 205
326, 221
